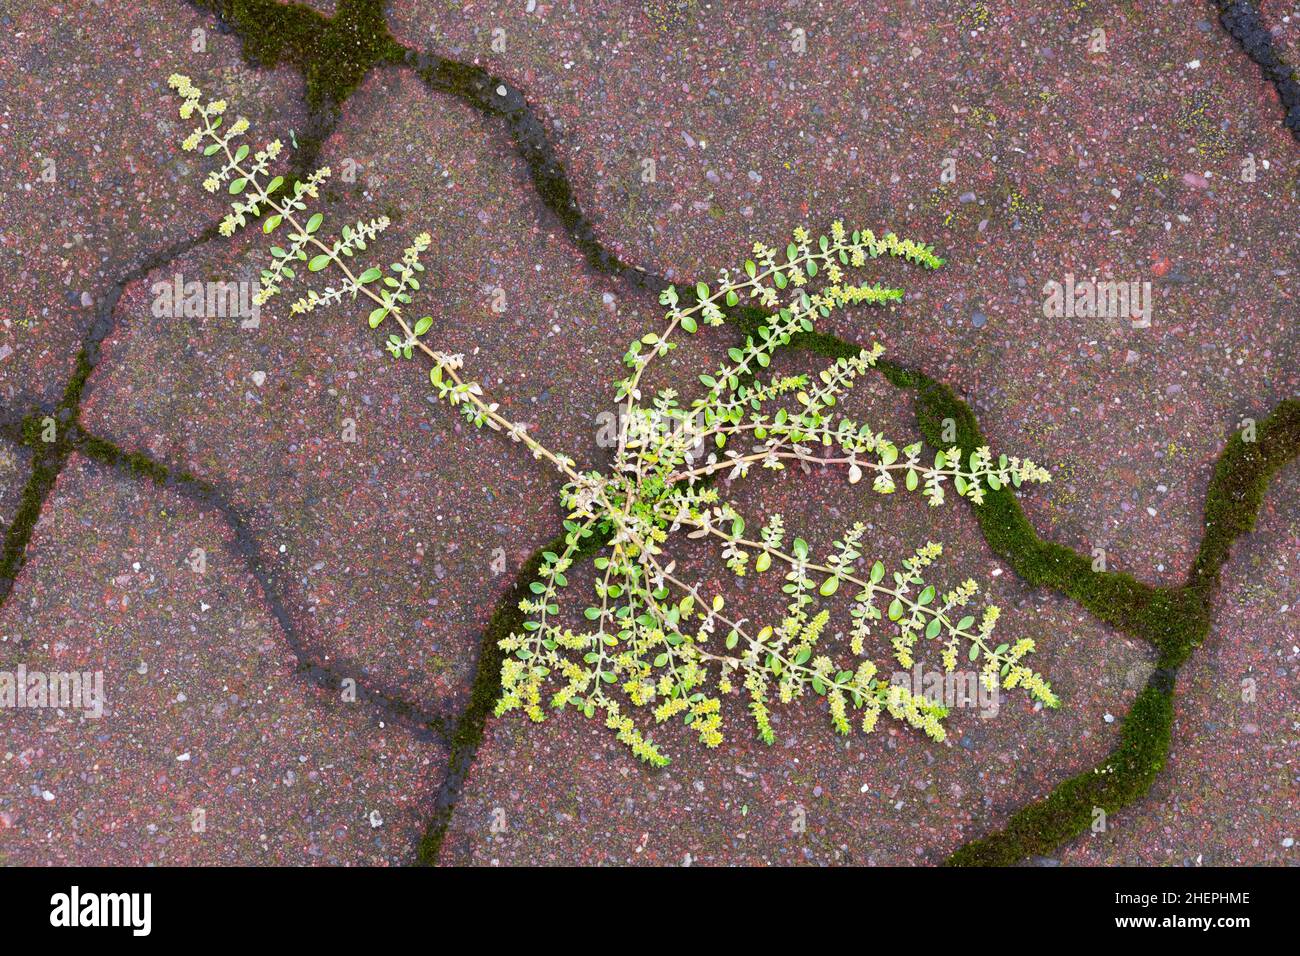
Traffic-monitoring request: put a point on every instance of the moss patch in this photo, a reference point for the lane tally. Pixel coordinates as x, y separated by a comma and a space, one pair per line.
334, 53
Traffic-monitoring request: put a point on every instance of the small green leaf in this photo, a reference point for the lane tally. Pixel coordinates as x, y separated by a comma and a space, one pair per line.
268, 227
926, 596
423, 325
689, 324
829, 586
314, 223
661, 660
732, 639
965, 622
762, 562
895, 609
877, 572
932, 629
237, 186
318, 263
974, 652
702, 290
370, 275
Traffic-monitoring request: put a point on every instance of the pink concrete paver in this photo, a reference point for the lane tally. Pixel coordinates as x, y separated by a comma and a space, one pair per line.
95, 179
211, 749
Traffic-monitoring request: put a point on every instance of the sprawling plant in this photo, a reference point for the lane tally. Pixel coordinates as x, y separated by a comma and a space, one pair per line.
653, 637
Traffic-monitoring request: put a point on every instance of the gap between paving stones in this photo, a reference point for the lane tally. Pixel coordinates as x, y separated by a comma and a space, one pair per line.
1242, 22
334, 54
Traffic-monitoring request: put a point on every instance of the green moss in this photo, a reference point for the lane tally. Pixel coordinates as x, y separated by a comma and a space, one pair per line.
333, 53
1125, 776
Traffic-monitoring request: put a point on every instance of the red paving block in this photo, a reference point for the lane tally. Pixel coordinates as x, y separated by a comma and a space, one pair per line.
203, 705
15, 467
86, 90
1230, 794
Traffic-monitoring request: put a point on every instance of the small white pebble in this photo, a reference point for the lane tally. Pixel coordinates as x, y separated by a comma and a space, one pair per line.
1109, 718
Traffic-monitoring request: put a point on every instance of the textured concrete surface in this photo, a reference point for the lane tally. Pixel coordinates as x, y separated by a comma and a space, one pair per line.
15, 467
1231, 793
389, 553
204, 718
95, 181
1066, 161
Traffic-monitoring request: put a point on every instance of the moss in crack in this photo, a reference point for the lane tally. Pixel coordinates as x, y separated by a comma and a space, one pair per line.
48, 458
506, 619
1236, 493
333, 53
138, 465
1125, 776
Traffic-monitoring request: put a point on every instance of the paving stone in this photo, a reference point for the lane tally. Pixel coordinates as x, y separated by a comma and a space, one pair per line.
86, 91
758, 138
204, 707
1229, 795
1125, 164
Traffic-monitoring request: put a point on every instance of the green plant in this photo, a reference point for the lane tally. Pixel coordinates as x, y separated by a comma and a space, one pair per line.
651, 634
